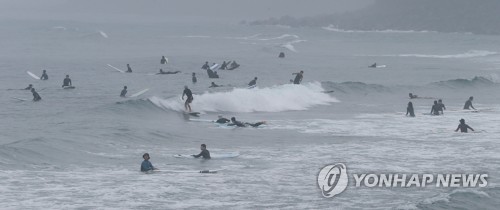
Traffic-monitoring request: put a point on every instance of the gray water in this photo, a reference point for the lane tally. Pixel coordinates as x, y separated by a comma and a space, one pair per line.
82, 148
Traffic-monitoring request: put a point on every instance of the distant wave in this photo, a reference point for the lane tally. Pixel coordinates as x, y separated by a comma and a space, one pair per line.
196, 36
460, 83
335, 29
270, 99
464, 198
287, 40
469, 54
354, 87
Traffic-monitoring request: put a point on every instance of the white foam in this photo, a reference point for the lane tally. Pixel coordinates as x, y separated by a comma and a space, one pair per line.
103, 34
270, 99
336, 29
468, 54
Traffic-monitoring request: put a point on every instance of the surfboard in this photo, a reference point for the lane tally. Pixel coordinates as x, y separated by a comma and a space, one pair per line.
213, 156
33, 75
250, 87
214, 67
190, 171
117, 69
19, 99
196, 114
139, 93
69, 87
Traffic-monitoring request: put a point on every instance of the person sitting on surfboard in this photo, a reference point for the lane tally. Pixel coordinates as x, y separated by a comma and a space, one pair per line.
223, 66
213, 85
463, 127
409, 110
281, 55
235, 122
298, 78
412, 96
205, 154
435, 108
253, 82
205, 66
222, 120
44, 75
163, 60
30, 86
194, 78
124, 91
129, 70
67, 82
36, 97
146, 165
374, 65
187, 92
468, 103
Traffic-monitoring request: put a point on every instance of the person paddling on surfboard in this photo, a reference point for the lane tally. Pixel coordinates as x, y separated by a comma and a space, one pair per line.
30, 86
412, 96
468, 104
298, 78
374, 65
205, 154
146, 165
124, 91
213, 85
168, 72
187, 92
36, 97
44, 75
463, 127
253, 82
222, 120
67, 82
129, 70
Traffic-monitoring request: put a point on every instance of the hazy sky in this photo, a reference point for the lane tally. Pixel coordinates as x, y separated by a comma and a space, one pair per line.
235, 10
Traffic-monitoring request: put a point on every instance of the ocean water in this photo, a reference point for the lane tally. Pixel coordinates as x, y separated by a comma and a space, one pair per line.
82, 148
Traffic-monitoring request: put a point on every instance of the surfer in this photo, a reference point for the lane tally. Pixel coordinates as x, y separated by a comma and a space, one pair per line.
44, 75
222, 120
146, 165
374, 65
205, 154
124, 91
223, 66
233, 65
253, 82
435, 108
36, 97
214, 85
30, 86
163, 60
409, 110
412, 96
194, 78
168, 72
67, 82
205, 66
468, 104
298, 78
463, 127
281, 55
129, 70
235, 122
187, 92
441, 106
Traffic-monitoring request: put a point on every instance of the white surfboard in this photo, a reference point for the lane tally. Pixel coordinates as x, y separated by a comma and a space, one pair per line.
190, 171
213, 156
33, 75
139, 93
251, 87
69, 87
117, 69
214, 67
19, 99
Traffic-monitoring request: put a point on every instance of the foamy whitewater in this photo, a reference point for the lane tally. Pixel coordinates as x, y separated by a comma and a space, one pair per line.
82, 148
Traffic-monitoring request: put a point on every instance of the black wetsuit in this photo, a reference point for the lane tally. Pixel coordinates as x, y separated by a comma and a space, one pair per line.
214, 86
169, 72
123, 93
468, 104
189, 95
298, 79
222, 120
435, 109
44, 76
237, 123
463, 128
36, 97
129, 70
223, 66
194, 79
254, 124
66, 82
163, 60
204, 153
409, 110
441, 107
252, 83
205, 66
